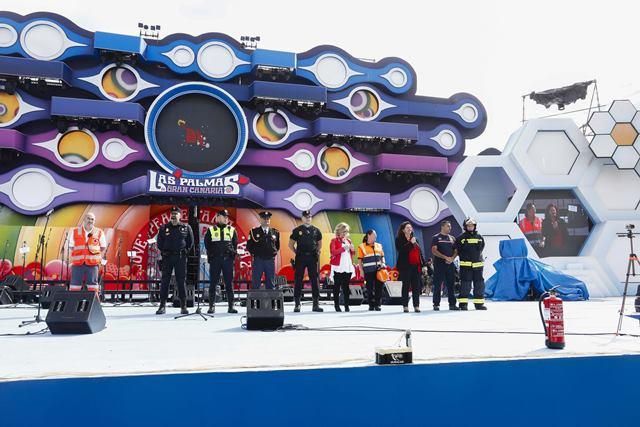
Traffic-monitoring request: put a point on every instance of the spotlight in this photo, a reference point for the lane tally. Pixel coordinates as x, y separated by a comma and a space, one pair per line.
261, 108
62, 125
10, 86
123, 128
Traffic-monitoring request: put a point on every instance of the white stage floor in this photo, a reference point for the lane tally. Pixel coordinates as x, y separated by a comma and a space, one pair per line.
136, 341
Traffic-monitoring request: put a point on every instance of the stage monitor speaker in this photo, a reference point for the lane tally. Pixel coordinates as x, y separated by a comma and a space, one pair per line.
392, 293
191, 290
47, 295
75, 313
356, 296
265, 309
6, 296
15, 282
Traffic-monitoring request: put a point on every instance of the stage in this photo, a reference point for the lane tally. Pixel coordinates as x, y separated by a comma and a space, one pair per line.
145, 369
136, 341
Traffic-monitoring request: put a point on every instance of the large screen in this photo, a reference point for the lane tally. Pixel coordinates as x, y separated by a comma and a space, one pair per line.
554, 222
197, 132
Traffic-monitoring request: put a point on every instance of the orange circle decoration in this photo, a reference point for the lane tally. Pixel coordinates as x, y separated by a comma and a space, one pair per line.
335, 162
77, 147
364, 104
119, 83
9, 107
271, 126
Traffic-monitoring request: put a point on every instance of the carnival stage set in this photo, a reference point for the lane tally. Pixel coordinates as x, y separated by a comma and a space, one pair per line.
127, 126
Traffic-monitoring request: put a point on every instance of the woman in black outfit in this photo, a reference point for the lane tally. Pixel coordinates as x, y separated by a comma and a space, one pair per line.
410, 262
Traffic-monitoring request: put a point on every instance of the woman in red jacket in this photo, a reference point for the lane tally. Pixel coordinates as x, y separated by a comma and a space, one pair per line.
342, 251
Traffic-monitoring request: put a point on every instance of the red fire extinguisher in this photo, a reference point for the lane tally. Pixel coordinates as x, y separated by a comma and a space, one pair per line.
552, 319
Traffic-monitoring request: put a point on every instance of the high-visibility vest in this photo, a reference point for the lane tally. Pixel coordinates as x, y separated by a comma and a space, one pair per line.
86, 251
371, 256
532, 230
227, 233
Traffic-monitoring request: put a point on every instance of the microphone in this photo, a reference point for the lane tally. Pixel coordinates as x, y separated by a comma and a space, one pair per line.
49, 212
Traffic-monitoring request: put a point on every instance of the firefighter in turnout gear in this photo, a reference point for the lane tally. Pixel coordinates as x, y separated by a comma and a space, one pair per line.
221, 242
469, 246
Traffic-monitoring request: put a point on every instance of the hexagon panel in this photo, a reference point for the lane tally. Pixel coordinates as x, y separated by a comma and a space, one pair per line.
601, 122
603, 146
551, 153
626, 157
490, 189
615, 134
622, 111
465, 192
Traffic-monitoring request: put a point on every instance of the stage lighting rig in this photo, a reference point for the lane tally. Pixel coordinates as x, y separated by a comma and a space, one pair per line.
250, 42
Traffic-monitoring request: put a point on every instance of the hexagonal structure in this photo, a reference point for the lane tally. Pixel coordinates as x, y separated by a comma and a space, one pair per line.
495, 169
601, 122
626, 157
489, 189
551, 153
611, 250
622, 111
610, 193
603, 146
573, 215
624, 134
636, 122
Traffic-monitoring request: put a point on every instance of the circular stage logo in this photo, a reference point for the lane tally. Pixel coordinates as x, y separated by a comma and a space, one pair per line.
196, 130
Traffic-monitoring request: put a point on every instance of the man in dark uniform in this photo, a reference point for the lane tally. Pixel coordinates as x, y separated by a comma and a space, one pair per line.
306, 243
443, 250
469, 247
263, 244
175, 240
221, 242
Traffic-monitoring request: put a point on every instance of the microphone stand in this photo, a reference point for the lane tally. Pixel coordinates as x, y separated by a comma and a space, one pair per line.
40, 249
4, 257
103, 265
66, 234
24, 251
118, 301
130, 255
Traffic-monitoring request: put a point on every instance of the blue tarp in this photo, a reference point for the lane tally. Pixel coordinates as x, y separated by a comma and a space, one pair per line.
515, 274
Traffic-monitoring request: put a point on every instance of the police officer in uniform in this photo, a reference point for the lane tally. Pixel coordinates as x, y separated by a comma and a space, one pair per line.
306, 243
221, 241
469, 246
263, 244
175, 240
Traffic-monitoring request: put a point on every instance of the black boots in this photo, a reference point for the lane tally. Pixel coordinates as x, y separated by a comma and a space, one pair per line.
183, 307
436, 308
463, 306
337, 307
162, 309
480, 306
296, 308
316, 306
212, 308
230, 309
453, 308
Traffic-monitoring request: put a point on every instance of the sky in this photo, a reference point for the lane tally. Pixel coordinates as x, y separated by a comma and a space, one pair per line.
495, 50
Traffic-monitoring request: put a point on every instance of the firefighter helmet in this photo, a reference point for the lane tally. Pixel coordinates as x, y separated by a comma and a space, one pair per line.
469, 220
